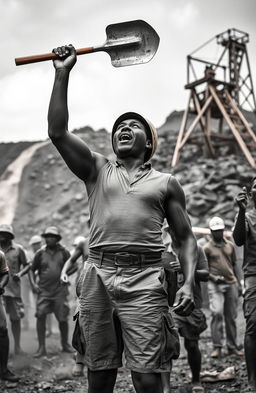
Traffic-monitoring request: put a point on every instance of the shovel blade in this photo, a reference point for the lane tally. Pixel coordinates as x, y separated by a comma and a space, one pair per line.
130, 43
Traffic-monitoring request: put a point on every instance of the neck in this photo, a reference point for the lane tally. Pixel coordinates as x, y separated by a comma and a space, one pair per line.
130, 163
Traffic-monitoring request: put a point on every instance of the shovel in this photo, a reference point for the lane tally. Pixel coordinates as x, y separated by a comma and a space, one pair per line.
127, 43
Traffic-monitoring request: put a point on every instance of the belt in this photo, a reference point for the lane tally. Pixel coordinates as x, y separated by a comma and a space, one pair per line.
125, 259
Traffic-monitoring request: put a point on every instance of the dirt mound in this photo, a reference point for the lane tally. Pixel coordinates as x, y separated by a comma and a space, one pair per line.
49, 193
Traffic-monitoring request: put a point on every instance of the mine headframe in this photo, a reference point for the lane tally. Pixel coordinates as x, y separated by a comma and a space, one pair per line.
220, 100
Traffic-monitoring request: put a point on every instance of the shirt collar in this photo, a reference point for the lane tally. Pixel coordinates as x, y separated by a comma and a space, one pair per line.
146, 165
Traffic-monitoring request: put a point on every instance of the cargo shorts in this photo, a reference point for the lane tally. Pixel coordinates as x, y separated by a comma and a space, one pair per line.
190, 327
14, 307
125, 309
56, 305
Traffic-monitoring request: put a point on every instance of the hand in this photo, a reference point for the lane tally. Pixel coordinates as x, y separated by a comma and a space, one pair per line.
16, 277
240, 287
36, 289
67, 57
1, 290
175, 265
220, 280
184, 302
64, 278
242, 199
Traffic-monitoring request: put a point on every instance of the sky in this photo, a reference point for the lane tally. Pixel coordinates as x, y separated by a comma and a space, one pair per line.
99, 92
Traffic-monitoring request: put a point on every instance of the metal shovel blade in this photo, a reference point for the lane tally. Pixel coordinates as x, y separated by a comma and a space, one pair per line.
130, 43
127, 43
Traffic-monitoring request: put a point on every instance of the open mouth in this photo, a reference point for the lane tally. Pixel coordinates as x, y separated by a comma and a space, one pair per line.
125, 136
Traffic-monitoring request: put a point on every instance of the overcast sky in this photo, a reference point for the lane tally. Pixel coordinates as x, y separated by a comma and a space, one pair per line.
98, 92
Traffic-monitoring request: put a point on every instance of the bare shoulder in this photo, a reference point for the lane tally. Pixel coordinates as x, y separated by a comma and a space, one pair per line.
175, 190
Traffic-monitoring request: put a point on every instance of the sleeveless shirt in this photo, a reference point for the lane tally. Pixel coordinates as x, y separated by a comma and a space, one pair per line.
127, 215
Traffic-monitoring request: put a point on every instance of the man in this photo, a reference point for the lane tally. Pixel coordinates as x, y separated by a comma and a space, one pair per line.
52, 295
81, 249
5, 373
244, 235
27, 295
190, 327
222, 288
15, 258
123, 301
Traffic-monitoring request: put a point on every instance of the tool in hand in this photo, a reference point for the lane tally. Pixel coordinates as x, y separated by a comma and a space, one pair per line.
127, 43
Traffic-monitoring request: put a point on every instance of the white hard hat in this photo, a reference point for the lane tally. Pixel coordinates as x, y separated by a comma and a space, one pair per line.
35, 239
216, 223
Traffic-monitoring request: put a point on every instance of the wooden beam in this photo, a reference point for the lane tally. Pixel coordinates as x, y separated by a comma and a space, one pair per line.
175, 157
238, 137
242, 118
196, 120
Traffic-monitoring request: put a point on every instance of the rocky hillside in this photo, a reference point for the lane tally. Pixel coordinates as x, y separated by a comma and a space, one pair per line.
49, 194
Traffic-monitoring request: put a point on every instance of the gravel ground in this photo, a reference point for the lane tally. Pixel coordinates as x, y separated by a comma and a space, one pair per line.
52, 374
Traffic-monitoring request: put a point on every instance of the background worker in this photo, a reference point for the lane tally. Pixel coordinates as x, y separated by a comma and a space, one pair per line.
81, 250
223, 288
128, 202
5, 373
26, 291
51, 294
190, 327
244, 235
15, 258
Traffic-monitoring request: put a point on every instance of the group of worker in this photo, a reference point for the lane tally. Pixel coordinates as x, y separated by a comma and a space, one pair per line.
50, 267
127, 306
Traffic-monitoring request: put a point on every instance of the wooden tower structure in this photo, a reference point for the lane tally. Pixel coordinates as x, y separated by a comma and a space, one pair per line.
217, 99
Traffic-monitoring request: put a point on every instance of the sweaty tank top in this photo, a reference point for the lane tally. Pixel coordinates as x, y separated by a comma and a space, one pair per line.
127, 215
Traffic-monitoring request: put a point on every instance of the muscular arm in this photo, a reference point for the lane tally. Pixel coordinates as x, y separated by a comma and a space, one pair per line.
239, 232
178, 220
80, 159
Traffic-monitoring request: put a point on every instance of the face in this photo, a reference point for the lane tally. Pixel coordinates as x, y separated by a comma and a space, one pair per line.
51, 240
36, 246
130, 138
217, 235
4, 237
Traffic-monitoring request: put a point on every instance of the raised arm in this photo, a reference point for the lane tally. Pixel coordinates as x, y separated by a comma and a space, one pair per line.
179, 222
239, 231
80, 159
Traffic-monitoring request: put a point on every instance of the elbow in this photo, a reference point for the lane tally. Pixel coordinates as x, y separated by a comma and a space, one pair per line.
56, 134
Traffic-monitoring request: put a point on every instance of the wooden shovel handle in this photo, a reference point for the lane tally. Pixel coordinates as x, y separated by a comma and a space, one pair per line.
48, 56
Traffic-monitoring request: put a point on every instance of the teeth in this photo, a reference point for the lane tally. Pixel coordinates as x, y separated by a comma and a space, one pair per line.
125, 137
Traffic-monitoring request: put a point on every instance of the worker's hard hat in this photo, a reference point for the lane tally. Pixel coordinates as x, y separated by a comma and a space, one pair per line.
216, 223
150, 130
35, 239
51, 231
8, 229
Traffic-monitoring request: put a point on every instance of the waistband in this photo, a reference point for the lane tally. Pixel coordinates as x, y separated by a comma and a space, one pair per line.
124, 259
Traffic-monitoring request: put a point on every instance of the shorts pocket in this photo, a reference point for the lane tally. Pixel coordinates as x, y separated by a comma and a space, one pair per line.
77, 337
170, 348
